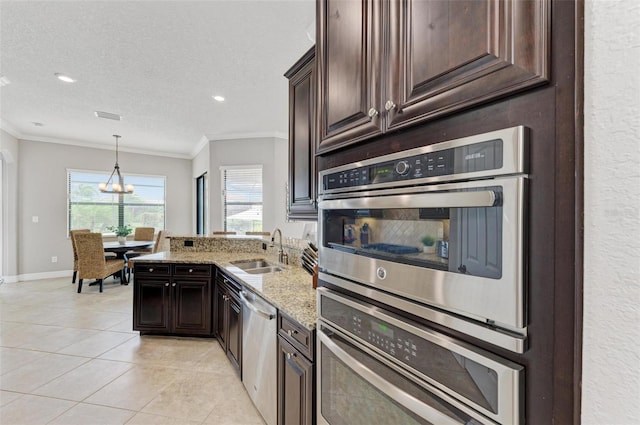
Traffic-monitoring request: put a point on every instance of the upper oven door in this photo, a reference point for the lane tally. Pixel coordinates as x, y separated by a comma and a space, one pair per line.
455, 246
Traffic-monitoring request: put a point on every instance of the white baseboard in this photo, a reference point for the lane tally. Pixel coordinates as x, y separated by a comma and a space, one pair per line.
10, 279
44, 275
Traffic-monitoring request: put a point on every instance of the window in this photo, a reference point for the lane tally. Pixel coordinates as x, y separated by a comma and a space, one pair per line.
88, 208
242, 199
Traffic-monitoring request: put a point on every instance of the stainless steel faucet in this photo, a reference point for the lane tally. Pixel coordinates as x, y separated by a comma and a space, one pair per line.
282, 256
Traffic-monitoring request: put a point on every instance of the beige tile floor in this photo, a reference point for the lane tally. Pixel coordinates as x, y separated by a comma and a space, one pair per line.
68, 358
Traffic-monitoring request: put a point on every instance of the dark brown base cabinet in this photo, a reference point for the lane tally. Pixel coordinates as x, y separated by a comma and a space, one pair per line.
228, 318
172, 299
296, 373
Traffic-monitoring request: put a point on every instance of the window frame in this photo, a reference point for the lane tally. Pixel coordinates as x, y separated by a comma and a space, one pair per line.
120, 200
223, 203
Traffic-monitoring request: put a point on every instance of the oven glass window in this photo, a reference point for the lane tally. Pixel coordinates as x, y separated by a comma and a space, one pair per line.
459, 240
349, 399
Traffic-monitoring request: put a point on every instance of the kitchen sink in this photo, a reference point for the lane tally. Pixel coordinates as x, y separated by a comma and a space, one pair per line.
260, 270
258, 266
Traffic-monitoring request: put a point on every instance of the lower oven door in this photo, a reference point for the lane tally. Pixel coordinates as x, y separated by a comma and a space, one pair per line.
357, 386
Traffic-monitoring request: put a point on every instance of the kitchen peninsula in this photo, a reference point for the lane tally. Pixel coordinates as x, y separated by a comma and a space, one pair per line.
289, 290
219, 287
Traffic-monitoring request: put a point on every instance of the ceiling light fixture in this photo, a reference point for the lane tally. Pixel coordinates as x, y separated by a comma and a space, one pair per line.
115, 187
218, 98
37, 124
107, 115
64, 78
4, 81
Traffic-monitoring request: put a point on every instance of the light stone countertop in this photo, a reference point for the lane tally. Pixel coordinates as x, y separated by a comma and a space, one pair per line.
289, 290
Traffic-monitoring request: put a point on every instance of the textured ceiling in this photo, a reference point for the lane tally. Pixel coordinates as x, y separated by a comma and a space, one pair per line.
156, 63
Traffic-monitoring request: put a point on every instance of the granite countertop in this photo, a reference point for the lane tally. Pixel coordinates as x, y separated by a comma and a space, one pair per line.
289, 290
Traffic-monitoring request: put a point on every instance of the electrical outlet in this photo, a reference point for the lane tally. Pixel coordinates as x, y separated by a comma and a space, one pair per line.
54, 259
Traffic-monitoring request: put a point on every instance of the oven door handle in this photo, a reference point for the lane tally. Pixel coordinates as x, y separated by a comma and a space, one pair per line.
471, 199
408, 401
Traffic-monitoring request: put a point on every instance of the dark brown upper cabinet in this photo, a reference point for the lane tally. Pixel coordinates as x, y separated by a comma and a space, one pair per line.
387, 65
301, 202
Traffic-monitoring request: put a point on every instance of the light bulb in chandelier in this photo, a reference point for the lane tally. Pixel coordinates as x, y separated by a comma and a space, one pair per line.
115, 186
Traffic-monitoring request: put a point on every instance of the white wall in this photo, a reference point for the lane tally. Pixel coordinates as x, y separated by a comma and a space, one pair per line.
42, 192
9, 205
272, 154
611, 357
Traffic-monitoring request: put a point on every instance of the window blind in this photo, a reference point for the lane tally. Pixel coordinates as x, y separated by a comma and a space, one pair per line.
242, 199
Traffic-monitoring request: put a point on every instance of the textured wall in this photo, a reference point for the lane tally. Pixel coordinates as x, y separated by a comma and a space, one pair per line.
42, 192
9, 205
611, 357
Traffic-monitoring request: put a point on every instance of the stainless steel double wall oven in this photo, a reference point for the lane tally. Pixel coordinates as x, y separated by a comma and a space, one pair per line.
435, 233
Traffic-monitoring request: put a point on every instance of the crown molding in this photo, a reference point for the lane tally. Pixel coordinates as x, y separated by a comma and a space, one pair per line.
10, 129
242, 136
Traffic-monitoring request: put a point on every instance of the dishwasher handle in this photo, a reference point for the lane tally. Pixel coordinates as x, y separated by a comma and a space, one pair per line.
255, 309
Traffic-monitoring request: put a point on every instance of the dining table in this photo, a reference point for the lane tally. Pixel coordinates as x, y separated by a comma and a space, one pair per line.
121, 248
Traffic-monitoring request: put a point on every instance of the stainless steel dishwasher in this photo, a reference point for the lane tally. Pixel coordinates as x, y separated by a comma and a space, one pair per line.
259, 354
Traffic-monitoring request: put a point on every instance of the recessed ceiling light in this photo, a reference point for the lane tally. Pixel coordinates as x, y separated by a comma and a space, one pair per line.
108, 115
4, 81
64, 78
218, 98
37, 124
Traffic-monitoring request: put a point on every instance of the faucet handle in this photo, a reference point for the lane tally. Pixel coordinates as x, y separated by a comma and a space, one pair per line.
285, 258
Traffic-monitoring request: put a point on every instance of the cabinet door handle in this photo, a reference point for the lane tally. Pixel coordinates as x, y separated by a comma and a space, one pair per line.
173, 284
373, 112
166, 284
389, 105
292, 332
150, 269
289, 355
190, 270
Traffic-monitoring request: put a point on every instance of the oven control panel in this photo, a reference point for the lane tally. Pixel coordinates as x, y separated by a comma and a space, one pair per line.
481, 156
404, 346
500, 152
385, 337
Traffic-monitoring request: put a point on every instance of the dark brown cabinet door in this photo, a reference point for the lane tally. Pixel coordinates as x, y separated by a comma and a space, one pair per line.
433, 57
349, 60
151, 305
192, 306
302, 138
219, 306
295, 386
450, 55
234, 349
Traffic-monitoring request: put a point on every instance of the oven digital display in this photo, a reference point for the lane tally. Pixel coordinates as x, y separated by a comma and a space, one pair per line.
382, 329
382, 173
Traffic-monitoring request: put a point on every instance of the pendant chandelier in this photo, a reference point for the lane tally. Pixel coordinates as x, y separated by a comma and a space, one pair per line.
112, 186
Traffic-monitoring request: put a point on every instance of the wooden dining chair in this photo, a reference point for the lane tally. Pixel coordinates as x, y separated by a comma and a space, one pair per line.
91, 261
258, 233
223, 233
72, 233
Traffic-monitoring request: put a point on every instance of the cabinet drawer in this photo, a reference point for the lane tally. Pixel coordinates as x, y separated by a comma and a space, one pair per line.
296, 334
147, 269
185, 270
